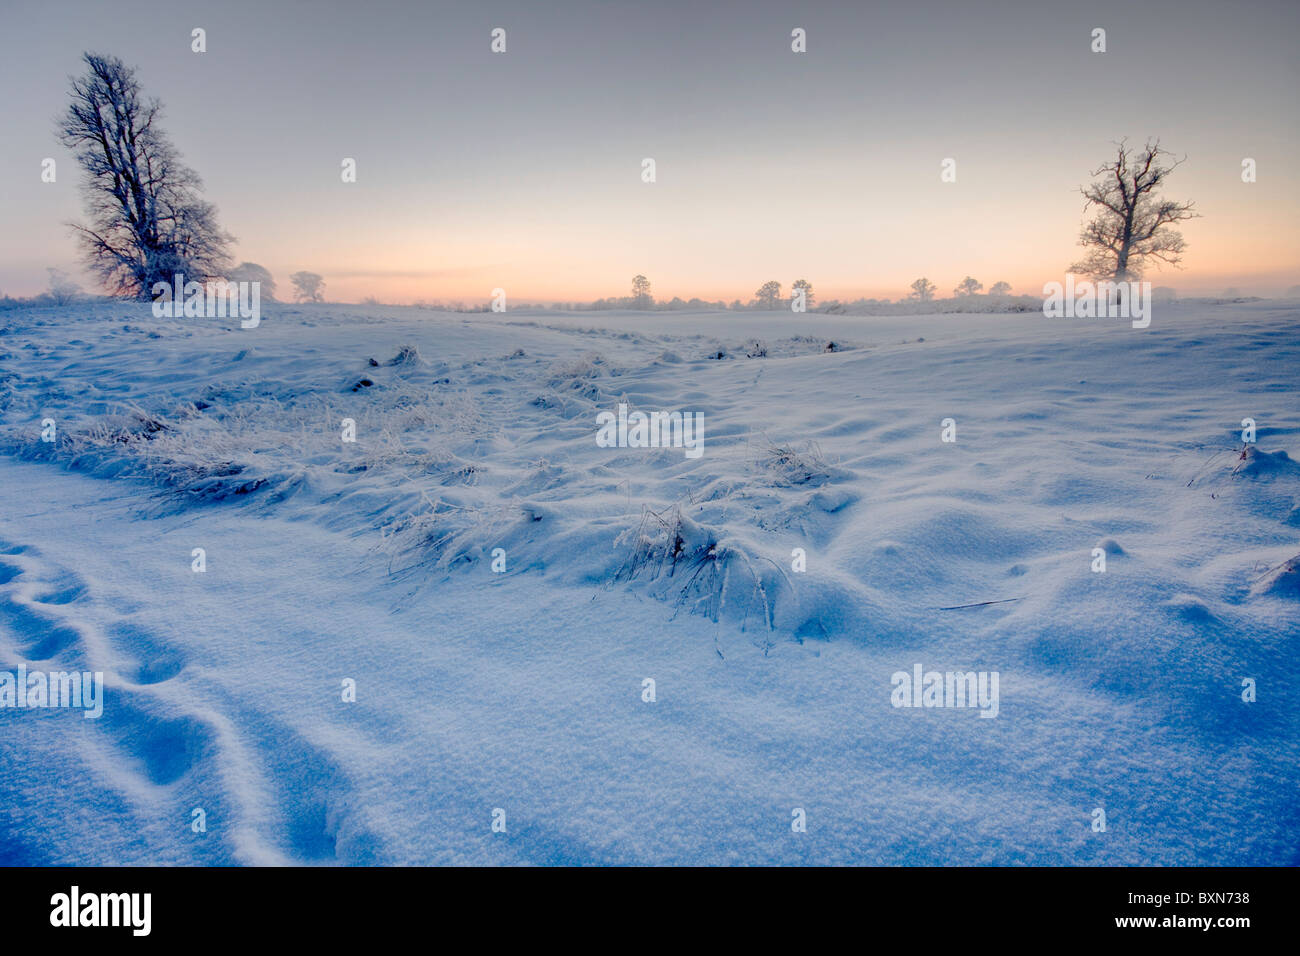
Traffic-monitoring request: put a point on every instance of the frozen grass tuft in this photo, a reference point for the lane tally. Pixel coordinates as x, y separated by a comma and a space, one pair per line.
689, 564
801, 464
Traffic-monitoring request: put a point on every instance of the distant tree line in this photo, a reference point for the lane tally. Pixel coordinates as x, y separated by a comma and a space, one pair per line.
147, 221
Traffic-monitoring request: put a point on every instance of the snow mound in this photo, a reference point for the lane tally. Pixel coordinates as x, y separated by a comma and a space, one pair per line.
408, 356
1283, 581
1259, 465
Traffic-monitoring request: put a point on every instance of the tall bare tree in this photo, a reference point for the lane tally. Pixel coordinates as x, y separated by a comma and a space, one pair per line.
147, 219
1131, 226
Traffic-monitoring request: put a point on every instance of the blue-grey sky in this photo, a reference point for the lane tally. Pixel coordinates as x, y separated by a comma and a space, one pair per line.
522, 170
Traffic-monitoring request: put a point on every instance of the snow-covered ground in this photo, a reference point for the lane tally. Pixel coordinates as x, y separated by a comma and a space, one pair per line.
372, 561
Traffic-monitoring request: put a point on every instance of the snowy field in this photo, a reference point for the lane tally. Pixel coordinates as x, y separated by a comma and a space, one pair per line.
476, 689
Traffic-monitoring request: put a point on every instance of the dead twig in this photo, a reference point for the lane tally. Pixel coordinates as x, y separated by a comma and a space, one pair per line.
958, 607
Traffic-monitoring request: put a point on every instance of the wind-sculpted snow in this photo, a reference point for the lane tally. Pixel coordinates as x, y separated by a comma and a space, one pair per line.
499, 584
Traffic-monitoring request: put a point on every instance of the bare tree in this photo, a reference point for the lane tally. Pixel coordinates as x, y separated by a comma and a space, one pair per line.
308, 287
147, 220
641, 298
1000, 288
922, 289
63, 290
768, 294
1132, 224
252, 272
967, 286
807, 291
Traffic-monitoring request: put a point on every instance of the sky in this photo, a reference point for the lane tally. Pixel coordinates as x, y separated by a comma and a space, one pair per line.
523, 170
